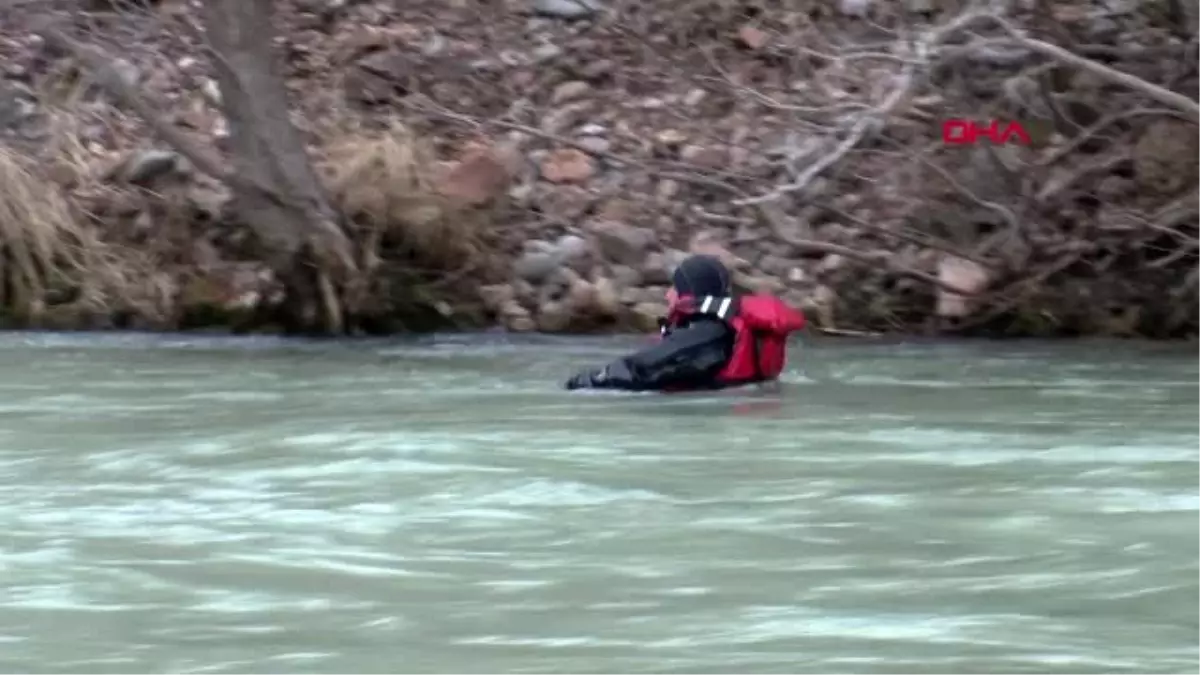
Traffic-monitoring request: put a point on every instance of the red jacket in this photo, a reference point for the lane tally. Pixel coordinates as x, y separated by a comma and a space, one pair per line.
761, 325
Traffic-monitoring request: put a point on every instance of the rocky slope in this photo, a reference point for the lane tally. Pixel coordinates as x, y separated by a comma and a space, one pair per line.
571, 152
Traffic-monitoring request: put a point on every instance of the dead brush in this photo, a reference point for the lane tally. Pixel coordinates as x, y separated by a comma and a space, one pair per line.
384, 181
47, 254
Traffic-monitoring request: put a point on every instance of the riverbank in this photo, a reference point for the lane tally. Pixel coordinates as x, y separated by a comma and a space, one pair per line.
544, 169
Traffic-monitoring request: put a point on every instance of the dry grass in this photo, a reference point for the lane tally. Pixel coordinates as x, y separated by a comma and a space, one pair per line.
46, 251
385, 182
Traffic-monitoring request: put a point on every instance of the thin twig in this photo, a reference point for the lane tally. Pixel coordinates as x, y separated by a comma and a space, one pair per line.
101, 63
883, 258
870, 121
1165, 96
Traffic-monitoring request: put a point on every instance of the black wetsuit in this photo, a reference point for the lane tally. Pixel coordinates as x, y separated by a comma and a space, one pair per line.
689, 357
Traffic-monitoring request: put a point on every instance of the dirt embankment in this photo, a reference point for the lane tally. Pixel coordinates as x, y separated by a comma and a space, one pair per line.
542, 164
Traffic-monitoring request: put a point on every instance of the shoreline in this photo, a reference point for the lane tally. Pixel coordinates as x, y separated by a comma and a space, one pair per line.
497, 331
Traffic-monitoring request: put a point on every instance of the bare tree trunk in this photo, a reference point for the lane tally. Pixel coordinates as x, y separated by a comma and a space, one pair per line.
276, 188
277, 192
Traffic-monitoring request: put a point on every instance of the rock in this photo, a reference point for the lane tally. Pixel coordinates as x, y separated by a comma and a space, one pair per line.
129, 73
708, 243
617, 209
671, 137
211, 91
143, 223
512, 307
794, 298
667, 189
1069, 13
227, 292
969, 276
774, 265
559, 283
535, 266
538, 246
496, 297
321, 6
569, 91
563, 203
126, 204
521, 194
763, 284
1104, 30
362, 87
857, 8
525, 291
546, 52
205, 256
249, 284
607, 300
830, 263
592, 129
145, 167
553, 317
820, 303
377, 78
543, 261
521, 324
751, 37
567, 9
482, 175
17, 104
647, 314
568, 165
694, 97
581, 298
516, 318
710, 158
596, 144
572, 247
598, 69
1165, 157
392, 65
621, 243
652, 294
658, 267
208, 199
1112, 188
624, 276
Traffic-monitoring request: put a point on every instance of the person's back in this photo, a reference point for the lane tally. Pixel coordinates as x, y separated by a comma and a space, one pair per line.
709, 340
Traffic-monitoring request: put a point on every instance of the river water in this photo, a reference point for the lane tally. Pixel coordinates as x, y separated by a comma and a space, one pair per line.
179, 505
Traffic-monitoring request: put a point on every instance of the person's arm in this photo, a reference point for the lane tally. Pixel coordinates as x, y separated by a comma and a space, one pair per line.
687, 356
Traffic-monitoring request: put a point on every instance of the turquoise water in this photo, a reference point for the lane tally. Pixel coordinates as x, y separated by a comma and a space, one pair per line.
441, 505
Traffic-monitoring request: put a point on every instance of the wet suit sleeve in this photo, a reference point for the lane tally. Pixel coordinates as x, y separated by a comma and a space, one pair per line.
687, 357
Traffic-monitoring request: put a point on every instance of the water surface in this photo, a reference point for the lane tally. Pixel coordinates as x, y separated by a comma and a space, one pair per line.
439, 505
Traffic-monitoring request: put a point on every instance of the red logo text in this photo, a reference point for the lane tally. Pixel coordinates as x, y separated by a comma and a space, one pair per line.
995, 132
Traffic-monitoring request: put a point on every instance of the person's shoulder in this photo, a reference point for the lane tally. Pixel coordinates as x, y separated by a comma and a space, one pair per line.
710, 326
766, 312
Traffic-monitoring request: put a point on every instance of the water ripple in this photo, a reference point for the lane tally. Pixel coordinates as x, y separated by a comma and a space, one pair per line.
440, 505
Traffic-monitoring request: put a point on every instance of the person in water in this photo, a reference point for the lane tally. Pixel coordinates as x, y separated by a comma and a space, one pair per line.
709, 339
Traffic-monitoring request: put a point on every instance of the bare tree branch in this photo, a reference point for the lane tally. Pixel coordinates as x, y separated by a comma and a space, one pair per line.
923, 50
139, 102
1164, 96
